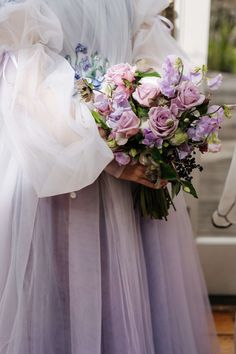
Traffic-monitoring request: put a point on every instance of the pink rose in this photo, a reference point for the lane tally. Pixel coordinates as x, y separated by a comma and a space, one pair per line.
126, 127
188, 96
162, 122
145, 93
120, 72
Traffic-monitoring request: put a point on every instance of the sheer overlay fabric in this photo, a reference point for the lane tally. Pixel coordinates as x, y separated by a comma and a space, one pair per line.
84, 275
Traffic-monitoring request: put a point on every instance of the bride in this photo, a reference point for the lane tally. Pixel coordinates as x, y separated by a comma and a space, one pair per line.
80, 271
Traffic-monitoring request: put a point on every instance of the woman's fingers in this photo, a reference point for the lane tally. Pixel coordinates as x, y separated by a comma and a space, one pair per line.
146, 183
137, 174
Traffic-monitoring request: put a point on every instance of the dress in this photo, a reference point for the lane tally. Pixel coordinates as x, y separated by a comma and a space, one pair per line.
225, 215
83, 273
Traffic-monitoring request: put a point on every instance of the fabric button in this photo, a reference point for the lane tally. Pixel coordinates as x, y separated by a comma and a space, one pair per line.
73, 195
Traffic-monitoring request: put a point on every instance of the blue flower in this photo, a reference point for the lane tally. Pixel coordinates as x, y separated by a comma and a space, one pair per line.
85, 63
80, 48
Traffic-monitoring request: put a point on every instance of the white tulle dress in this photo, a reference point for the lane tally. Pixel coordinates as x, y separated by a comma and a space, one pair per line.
80, 271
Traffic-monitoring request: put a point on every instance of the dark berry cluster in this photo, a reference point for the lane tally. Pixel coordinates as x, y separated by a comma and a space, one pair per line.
186, 167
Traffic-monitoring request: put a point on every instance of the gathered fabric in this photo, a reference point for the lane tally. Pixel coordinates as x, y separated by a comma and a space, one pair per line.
80, 271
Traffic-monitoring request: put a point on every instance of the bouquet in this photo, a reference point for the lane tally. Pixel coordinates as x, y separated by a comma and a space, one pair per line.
157, 120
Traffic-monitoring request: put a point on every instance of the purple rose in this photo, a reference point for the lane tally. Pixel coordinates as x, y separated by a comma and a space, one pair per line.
162, 122
188, 96
120, 72
125, 127
102, 104
146, 93
122, 158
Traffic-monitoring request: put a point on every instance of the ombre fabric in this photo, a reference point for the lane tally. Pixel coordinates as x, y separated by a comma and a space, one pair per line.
83, 273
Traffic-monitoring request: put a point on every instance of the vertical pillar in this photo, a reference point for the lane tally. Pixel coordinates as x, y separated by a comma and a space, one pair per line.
192, 32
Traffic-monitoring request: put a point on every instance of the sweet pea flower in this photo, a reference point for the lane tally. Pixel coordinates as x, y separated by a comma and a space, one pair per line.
217, 112
205, 127
214, 148
214, 143
215, 82
151, 140
120, 72
170, 76
146, 93
122, 158
162, 122
184, 150
188, 96
102, 104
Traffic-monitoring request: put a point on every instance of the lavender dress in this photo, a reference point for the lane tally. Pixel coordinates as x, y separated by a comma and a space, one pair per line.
81, 272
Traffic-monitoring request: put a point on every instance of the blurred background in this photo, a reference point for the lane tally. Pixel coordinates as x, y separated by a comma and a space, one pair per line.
206, 29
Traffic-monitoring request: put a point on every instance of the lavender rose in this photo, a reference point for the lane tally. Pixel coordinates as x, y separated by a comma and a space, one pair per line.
125, 127
188, 96
120, 72
146, 93
162, 122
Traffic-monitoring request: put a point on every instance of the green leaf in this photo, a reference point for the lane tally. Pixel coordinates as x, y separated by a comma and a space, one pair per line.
141, 74
189, 188
176, 187
132, 104
156, 155
99, 120
142, 112
168, 172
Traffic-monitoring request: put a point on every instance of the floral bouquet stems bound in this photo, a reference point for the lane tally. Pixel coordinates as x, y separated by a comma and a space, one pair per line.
159, 121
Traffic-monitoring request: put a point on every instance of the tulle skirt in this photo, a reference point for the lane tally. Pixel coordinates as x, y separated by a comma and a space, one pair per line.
87, 275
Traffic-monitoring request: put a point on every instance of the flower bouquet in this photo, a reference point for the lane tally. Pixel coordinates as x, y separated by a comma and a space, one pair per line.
159, 121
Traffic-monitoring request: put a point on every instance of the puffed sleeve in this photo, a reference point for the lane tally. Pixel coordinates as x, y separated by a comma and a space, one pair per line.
52, 136
152, 40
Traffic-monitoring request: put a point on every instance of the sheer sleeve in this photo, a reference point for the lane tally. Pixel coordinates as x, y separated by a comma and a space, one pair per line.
52, 135
152, 40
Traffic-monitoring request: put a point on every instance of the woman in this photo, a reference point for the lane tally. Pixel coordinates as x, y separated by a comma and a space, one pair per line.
80, 271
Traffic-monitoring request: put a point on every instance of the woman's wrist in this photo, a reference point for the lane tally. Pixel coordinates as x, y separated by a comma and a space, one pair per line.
114, 169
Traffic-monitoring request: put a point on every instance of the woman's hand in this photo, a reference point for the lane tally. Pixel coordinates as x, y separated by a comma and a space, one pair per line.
136, 173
